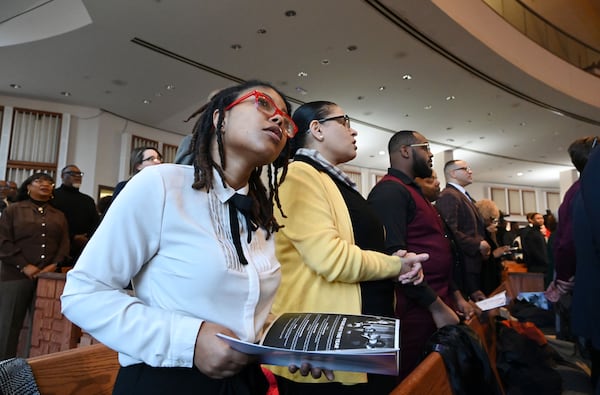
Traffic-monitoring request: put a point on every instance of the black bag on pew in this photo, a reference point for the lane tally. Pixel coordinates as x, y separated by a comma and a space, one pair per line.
466, 360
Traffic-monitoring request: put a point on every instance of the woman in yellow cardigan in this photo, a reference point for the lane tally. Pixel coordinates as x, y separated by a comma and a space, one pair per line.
326, 220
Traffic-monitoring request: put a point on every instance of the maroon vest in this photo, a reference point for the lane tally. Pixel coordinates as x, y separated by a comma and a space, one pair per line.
425, 233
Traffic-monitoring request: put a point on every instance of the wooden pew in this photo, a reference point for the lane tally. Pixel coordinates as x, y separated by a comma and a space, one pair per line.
431, 376
88, 370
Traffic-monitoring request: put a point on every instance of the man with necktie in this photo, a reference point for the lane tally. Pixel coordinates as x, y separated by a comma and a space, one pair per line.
458, 209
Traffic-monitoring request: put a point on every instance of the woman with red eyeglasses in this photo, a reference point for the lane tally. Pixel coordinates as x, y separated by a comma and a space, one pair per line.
197, 243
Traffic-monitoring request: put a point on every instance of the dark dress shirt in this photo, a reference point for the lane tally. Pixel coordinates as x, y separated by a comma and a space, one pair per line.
80, 211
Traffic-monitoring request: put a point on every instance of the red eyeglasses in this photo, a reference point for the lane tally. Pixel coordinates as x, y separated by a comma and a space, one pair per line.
266, 105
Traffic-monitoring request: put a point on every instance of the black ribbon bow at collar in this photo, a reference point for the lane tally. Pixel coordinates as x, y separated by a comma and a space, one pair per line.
243, 204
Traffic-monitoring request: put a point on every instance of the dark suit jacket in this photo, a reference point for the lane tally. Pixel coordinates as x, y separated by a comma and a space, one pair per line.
465, 222
586, 217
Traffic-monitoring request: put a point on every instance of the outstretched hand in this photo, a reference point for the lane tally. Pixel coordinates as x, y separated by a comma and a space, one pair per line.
412, 270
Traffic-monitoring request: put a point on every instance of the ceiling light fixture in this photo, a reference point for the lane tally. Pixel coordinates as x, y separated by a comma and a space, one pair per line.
301, 90
450, 97
290, 13
519, 174
65, 93
381, 152
236, 47
351, 48
146, 101
303, 74
261, 31
381, 88
427, 107
169, 87
15, 86
407, 77
325, 62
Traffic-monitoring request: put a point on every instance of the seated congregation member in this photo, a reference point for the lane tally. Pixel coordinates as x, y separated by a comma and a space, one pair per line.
141, 157
329, 243
197, 242
34, 239
491, 269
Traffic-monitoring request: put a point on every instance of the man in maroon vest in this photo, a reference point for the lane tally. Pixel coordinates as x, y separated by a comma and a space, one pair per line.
412, 223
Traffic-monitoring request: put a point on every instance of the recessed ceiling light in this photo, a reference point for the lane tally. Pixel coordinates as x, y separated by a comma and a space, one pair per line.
146, 101
381, 152
351, 48
261, 31
303, 74
523, 123
290, 13
65, 93
158, 94
407, 77
325, 62
519, 174
427, 107
15, 86
301, 90
360, 98
450, 97
236, 47
381, 88
169, 87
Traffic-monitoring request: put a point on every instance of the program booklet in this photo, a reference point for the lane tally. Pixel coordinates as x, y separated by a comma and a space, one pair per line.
354, 343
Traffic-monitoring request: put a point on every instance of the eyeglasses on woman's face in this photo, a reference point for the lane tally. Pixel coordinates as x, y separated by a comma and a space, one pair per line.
152, 159
343, 120
267, 106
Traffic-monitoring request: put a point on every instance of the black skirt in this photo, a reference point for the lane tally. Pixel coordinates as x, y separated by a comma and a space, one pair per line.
148, 380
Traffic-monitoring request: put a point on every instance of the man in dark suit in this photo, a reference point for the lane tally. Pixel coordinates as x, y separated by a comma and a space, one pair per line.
458, 209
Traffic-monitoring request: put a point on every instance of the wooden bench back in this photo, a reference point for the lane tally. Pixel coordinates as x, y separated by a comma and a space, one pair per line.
88, 370
431, 376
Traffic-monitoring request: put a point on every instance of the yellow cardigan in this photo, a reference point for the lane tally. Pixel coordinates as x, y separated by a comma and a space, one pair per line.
321, 267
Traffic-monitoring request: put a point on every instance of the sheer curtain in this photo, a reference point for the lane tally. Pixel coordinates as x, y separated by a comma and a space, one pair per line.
34, 143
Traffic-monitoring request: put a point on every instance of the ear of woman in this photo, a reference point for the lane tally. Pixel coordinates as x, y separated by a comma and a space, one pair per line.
315, 130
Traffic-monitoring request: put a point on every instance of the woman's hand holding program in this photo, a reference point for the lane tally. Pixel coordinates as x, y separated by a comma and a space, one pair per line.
214, 357
306, 369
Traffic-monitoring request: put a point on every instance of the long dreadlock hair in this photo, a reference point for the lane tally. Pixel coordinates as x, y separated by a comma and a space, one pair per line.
203, 134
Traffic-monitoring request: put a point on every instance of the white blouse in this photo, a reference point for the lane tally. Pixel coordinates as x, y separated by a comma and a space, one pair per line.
175, 243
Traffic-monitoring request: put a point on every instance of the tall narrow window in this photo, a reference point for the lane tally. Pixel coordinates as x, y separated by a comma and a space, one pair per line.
137, 141
168, 153
34, 143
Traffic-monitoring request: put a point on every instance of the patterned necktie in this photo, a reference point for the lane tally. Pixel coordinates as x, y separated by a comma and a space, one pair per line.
243, 204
